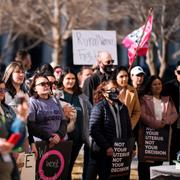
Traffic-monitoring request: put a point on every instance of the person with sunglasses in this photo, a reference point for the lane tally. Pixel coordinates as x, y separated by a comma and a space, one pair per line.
109, 120
69, 111
172, 89
46, 120
104, 72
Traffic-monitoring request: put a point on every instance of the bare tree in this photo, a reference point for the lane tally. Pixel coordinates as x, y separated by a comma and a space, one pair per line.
166, 26
52, 21
49, 21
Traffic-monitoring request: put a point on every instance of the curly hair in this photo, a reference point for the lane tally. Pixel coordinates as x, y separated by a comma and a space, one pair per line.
98, 94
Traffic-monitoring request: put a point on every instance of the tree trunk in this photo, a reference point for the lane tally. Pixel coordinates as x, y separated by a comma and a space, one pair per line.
56, 35
163, 59
57, 52
150, 60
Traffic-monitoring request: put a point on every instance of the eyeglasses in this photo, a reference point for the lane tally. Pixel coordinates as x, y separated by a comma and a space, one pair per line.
178, 72
44, 84
3, 90
110, 61
53, 83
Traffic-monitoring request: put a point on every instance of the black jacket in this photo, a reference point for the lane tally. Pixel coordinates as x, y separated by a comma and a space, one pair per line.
172, 89
102, 124
92, 82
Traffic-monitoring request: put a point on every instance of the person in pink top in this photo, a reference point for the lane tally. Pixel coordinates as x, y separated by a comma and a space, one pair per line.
157, 112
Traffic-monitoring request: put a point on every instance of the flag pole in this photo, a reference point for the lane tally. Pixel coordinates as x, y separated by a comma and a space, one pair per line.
149, 13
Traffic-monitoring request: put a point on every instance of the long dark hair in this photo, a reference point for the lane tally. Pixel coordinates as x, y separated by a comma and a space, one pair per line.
76, 89
149, 84
117, 70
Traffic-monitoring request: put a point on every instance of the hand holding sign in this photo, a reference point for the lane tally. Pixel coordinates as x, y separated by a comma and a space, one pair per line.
54, 139
53, 163
109, 151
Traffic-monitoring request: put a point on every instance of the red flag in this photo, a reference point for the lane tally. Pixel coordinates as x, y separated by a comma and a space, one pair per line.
131, 41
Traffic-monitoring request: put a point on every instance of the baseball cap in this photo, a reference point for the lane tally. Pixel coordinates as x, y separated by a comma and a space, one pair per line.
137, 70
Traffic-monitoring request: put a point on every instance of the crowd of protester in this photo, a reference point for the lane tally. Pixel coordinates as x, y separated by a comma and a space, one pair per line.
90, 108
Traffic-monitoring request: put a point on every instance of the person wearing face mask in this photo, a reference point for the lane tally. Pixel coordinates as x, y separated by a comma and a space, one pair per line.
109, 120
105, 63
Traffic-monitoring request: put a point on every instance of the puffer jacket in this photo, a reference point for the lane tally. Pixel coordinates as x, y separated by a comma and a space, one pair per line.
102, 124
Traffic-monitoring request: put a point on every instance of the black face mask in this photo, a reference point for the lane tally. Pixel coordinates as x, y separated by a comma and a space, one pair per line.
108, 68
113, 95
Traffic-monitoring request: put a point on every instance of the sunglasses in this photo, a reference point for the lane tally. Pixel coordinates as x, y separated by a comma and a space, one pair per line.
178, 72
110, 61
53, 83
3, 90
44, 84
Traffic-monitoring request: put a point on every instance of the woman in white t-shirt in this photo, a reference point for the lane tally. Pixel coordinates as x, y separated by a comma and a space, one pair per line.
157, 112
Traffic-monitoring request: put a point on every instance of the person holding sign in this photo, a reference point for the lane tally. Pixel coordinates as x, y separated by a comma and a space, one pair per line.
109, 120
46, 119
157, 114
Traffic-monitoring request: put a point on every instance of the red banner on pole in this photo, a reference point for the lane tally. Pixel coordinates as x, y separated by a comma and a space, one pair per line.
137, 41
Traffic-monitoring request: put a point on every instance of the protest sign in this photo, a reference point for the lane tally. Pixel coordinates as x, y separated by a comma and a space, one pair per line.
27, 166
121, 159
154, 144
53, 162
88, 43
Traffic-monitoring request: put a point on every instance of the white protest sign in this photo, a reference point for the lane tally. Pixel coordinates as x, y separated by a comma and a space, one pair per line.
88, 43
29, 166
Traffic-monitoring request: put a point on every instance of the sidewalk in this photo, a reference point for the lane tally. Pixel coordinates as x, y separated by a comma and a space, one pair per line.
77, 170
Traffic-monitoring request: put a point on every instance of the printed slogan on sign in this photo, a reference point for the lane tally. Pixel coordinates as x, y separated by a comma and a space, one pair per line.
121, 157
87, 45
155, 144
53, 162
